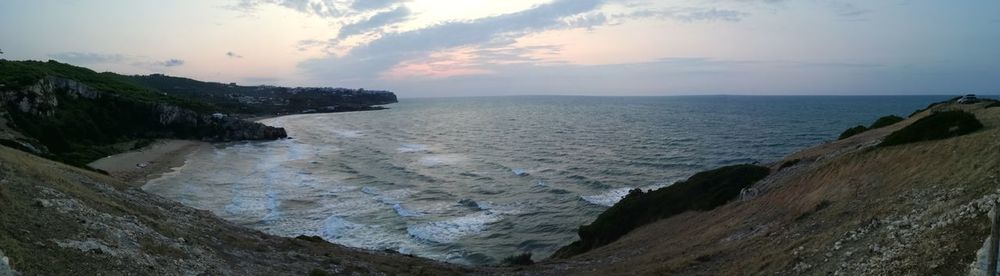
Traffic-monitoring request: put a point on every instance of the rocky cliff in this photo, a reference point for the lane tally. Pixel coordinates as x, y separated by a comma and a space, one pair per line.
266, 99
75, 115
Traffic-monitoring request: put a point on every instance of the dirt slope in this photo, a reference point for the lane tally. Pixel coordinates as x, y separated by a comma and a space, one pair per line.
847, 208
60, 220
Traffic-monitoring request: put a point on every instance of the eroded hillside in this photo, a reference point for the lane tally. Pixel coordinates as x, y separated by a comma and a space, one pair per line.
60, 220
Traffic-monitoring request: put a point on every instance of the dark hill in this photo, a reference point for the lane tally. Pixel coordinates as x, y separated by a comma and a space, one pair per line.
75, 115
266, 100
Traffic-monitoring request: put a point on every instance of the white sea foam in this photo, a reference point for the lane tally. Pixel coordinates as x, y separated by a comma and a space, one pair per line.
403, 212
413, 148
519, 171
336, 228
344, 231
346, 133
450, 230
607, 198
369, 190
434, 160
610, 197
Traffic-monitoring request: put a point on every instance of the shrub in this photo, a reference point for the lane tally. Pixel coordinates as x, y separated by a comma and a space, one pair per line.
953, 99
702, 191
519, 259
994, 104
936, 126
885, 121
881, 122
852, 131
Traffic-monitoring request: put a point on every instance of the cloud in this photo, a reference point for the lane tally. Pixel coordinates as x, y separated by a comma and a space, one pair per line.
321, 8
87, 58
362, 5
233, 55
376, 21
171, 62
367, 61
848, 10
689, 14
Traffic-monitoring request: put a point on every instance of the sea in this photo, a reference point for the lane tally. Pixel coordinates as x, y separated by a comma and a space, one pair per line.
474, 180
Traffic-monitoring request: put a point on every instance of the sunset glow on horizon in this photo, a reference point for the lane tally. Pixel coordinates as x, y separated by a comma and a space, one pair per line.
581, 47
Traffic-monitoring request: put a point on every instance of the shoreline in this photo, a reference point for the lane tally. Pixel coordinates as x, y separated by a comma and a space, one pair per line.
139, 166
136, 167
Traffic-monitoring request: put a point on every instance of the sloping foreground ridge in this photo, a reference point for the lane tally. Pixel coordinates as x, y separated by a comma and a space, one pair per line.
701, 192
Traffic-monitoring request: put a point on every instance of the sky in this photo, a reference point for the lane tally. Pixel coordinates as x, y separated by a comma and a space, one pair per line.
433, 48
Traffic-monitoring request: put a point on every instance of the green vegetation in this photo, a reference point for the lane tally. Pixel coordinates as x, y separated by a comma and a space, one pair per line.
77, 130
886, 121
951, 100
519, 259
261, 100
20, 74
993, 104
939, 125
14, 75
880, 123
702, 191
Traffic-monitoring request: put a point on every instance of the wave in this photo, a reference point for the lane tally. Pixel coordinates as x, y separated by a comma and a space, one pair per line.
403, 212
519, 171
608, 198
435, 160
405, 148
346, 133
450, 230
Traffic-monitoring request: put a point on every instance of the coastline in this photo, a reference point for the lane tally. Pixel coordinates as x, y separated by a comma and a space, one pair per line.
139, 166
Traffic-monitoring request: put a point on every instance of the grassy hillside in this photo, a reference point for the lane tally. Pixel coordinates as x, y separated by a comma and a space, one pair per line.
847, 207
19, 74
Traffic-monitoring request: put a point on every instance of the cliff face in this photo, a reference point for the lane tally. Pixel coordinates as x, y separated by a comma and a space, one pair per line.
73, 122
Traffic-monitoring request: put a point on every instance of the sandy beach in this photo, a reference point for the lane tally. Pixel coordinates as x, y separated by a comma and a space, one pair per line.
139, 166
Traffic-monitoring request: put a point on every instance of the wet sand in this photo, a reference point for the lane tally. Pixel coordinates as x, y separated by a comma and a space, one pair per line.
139, 166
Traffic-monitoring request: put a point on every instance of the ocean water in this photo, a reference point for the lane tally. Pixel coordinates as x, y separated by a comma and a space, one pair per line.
473, 180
